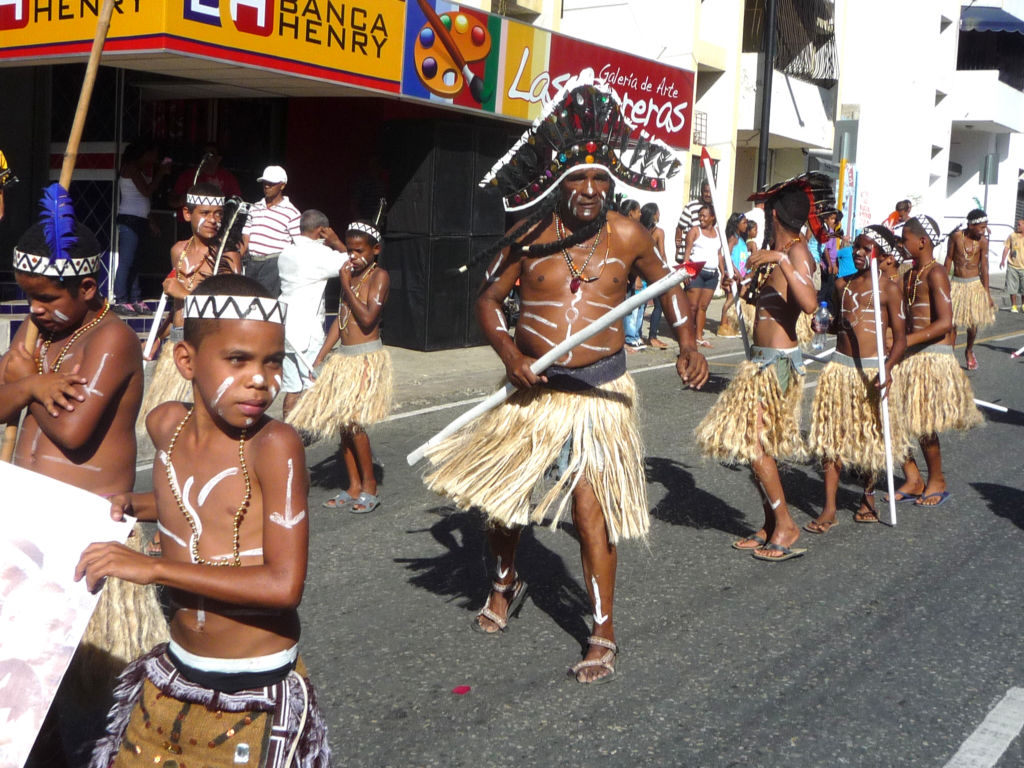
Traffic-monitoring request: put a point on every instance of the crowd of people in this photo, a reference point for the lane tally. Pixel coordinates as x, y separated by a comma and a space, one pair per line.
230, 496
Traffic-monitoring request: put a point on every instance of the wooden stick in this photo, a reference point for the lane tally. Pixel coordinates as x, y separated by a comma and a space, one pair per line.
68, 167
541, 364
886, 433
705, 159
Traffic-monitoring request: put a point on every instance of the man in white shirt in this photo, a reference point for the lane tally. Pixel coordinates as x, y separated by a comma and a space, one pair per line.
273, 223
305, 266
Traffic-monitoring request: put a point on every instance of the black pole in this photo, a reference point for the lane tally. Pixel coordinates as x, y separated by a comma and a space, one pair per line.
766, 93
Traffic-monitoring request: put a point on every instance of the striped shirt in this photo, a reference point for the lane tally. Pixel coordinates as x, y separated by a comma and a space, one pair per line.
270, 229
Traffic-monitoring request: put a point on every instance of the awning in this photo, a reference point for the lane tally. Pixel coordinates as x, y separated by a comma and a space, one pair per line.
975, 18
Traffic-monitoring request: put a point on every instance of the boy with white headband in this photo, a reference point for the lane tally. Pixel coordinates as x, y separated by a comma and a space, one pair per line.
229, 497
354, 388
973, 307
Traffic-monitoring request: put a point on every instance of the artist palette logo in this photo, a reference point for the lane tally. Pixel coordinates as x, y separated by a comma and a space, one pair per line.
13, 14
254, 17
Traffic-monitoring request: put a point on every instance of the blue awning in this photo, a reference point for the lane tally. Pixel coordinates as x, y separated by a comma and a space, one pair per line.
987, 19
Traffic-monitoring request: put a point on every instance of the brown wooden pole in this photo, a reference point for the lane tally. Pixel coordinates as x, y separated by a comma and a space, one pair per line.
66, 170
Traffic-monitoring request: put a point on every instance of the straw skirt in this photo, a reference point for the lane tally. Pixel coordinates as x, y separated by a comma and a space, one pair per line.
350, 392
933, 395
497, 462
971, 305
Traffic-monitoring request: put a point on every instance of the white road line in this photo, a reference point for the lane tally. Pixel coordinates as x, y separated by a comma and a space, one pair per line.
986, 745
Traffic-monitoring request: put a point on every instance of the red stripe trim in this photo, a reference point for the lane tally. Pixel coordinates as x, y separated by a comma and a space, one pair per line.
97, 161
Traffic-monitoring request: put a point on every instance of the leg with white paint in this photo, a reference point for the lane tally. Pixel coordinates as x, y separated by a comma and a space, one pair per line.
784, 532
600, 559
503, 542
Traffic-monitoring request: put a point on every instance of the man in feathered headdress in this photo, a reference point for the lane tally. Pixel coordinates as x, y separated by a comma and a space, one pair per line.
571, 257
81, 384
756, 421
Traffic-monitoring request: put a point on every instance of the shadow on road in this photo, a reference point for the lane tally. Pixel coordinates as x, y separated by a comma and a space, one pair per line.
1003, 500
330, 473
687, 504
1014, 418
464, 570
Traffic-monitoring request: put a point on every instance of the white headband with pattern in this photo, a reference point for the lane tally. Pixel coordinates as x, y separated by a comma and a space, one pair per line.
59, 268
883, 245
235, 308
203, 200
368, 229
977, 220
929, 228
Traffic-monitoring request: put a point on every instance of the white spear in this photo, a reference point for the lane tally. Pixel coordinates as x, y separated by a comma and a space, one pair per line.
880, 345
541, 364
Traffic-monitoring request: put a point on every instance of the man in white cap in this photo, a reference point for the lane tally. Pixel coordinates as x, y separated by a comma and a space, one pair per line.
273, 223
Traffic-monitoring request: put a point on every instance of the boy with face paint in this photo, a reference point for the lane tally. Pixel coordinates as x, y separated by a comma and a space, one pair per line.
967, 255
577, 420
756, 420
354, 388
192, 261
846, 420
229, 495
932, 392
81, 385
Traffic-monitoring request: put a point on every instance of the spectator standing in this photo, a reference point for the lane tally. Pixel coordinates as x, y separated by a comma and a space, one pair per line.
631, 323
649, 218
273, 223
898, 218
305, 266
736, 229
1014, 248
137, 178
688, 218
703, 249
209, 171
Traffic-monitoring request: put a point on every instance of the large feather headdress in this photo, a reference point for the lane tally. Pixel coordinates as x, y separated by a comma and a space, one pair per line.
581, 127
821, 199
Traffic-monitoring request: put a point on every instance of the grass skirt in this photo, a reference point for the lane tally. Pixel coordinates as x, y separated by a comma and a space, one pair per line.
846, 420
728, 327
932, 395
351, 391
160, 717
971, 305
735, 430
497, 461
166, 385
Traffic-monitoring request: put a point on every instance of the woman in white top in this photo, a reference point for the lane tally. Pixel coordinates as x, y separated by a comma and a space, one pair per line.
137, 179
703, 249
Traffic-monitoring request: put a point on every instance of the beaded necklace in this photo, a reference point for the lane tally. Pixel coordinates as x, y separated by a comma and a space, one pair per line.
239, 515
185, 277
55, 368
917, 282
348, 310
577, 274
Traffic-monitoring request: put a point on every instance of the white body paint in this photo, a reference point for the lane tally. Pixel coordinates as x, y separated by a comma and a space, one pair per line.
172, 536
212, 483
69, 463
599, 618
60, 316
90, 388
502, 573
288, 520
258, 380
528, 329
501, 326
539, 319
222, 389
543, 303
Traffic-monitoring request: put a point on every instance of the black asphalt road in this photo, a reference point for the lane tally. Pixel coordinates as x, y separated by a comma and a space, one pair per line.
881, 646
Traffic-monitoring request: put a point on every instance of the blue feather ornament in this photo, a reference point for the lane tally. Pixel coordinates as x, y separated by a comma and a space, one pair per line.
58, 220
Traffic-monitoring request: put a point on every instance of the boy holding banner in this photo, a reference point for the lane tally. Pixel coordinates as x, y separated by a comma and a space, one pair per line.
230, 488
81, 386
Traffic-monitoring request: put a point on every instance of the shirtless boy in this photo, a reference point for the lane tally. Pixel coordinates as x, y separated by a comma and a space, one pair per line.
756, 420
846, 421
973, 307
229, 496
572, 258
81, 385
192, 261
354, 388
931, 391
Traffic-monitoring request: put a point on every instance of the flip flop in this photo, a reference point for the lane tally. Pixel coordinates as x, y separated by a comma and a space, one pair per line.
942, 496
825, 527
787, 552
340, 501
973, 365
367, 501
761, 541
903, 498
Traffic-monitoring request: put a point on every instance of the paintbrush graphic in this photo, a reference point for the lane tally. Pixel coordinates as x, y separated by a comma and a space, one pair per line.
476, 84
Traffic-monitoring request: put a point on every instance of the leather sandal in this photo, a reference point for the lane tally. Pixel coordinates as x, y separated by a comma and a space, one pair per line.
607, 661
515, 605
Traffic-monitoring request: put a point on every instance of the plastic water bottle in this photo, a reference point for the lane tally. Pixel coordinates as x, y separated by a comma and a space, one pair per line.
820, 321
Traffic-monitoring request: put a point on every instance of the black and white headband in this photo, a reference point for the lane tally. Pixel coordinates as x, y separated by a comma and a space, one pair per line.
929, 228
235, 308
876, 237
59, 268
367, 229
977, 219
203, 200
